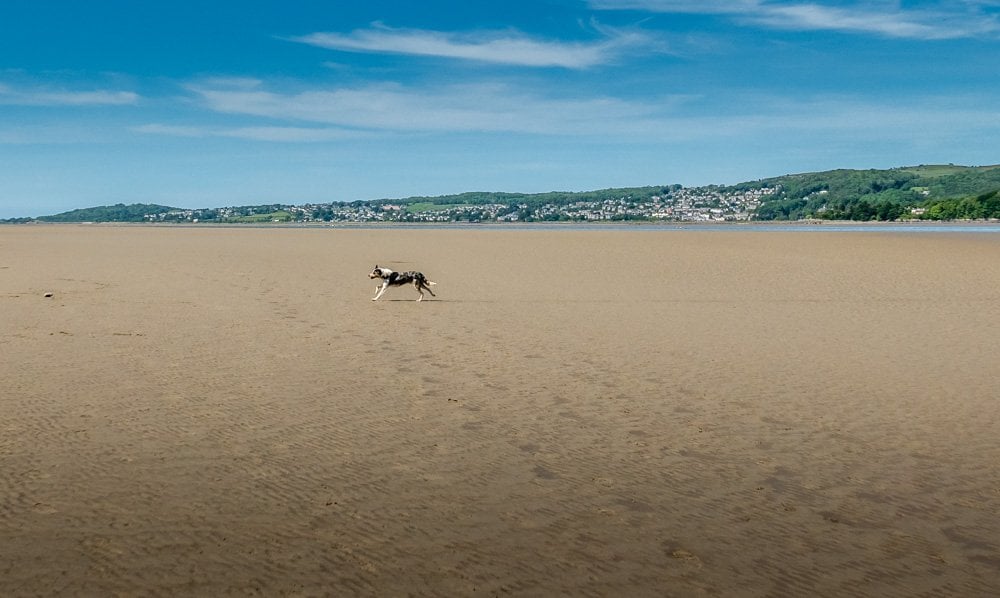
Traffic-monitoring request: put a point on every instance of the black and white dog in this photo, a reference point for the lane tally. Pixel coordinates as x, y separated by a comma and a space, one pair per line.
395, 279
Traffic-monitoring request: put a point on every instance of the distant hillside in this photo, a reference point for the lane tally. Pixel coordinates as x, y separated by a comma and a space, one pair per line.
939, 192
871, 194
533, 199
116, 213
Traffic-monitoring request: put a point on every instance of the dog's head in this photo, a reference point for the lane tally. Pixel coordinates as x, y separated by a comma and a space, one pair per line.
377, 272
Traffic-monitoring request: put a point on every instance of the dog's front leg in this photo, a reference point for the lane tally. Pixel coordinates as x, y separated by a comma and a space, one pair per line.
380, 290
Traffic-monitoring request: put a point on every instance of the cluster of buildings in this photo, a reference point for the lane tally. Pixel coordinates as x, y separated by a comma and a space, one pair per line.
702, 204
383, 212
687, 205
175, 216
716, 203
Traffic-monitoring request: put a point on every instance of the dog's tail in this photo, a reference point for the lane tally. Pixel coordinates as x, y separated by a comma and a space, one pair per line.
429, 283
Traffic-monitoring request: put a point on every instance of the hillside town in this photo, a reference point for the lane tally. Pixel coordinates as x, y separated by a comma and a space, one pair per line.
702, 204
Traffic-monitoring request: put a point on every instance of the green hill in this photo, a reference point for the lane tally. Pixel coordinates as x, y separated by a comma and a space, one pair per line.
871, 194
116, 213
841, 194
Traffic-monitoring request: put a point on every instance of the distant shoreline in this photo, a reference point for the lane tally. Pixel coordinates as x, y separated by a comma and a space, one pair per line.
982, 226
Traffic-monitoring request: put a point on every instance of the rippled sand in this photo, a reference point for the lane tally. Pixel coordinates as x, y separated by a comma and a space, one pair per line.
589, 413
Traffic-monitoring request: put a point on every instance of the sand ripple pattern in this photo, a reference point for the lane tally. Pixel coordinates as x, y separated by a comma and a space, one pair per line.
221, 412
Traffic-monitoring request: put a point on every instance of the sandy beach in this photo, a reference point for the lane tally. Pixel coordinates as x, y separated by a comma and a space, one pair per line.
223, 411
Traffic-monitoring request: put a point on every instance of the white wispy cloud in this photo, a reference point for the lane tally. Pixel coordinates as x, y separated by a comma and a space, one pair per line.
943, 20
938, 23
456, 108
678, 6
499, 47
279, 134
171, 130
502, 108
60, 97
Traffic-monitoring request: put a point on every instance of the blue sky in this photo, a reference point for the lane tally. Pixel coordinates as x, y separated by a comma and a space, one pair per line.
206, 104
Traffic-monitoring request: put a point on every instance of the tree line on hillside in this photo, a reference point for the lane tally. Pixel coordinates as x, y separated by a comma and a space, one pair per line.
939, 193
116, 213
536, 200
984, 206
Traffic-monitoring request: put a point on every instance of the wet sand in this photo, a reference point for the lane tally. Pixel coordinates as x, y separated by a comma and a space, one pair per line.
207, 411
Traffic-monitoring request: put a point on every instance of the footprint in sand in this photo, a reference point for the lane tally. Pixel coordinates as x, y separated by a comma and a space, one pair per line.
43, 508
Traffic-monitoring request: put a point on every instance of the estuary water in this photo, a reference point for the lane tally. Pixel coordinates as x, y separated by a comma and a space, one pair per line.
986, 227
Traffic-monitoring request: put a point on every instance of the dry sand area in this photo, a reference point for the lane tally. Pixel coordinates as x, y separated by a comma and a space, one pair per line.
222, 411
